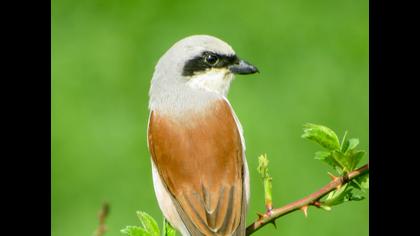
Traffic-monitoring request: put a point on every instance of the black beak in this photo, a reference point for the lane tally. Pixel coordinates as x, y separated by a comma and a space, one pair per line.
243, 68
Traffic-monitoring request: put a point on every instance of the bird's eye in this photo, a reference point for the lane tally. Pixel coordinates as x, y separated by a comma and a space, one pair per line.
211, 59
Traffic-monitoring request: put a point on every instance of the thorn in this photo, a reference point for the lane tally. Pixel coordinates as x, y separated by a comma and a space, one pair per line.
260, 216
274, 223
305, 210
333, 177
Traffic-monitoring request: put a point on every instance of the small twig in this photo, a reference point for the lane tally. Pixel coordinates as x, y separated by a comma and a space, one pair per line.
102, 214
303, 203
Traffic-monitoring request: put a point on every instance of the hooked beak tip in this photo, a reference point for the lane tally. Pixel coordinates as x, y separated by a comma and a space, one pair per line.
243, 68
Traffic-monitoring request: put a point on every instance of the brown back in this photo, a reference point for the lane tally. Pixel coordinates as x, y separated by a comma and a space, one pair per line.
199, 159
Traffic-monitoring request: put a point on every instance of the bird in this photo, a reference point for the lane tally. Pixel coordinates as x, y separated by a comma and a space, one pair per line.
199, 169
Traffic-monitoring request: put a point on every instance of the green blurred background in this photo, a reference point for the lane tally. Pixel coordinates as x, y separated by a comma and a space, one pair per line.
313, 58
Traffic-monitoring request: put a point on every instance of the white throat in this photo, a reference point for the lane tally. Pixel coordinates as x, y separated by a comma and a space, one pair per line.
214, 80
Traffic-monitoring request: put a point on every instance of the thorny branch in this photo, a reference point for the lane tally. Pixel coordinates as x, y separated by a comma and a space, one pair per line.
103, 213
304, 203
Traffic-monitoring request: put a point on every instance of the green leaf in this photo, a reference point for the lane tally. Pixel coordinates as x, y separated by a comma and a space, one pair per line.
364, 181
325, 207
263, 166
354, 158
135, 231
344, 142
350, 196
149, 224
322, 155
339, 170
342, 160
349, 145
353, 197
353, 143
355, 184
322, 135
327, 158
336, 197
344, 194
168, 230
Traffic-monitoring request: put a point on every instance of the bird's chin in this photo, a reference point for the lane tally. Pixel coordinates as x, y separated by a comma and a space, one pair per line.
229, 75
216, 80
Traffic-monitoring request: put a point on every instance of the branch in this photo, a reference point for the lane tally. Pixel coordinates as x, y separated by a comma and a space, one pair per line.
303, 203
103, 213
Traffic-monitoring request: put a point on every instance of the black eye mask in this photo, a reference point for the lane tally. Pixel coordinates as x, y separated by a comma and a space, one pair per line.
208, 60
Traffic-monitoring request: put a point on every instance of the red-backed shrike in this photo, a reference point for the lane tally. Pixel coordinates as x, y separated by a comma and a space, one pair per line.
200, 173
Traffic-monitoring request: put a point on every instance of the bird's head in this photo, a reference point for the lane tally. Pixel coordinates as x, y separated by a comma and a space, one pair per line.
201, 62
